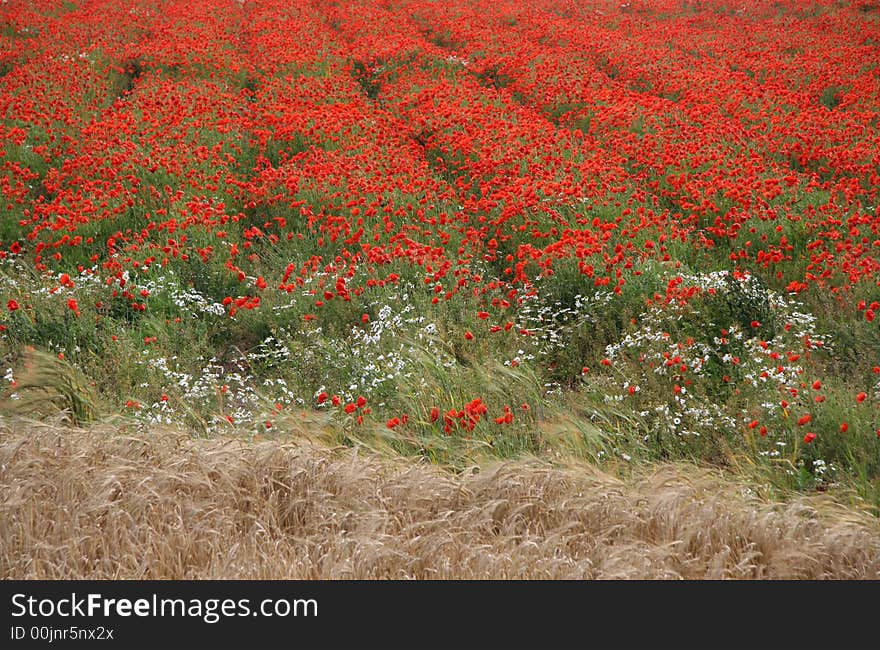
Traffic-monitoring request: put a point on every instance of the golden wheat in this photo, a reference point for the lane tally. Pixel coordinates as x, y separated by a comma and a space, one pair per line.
101, 504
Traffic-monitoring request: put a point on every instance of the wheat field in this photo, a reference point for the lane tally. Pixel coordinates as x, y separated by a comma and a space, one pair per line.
100, 504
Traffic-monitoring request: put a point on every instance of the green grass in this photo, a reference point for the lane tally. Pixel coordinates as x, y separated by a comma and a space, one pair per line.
184, 360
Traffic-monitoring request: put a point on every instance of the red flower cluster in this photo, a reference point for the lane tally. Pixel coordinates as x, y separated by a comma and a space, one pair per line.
321, 152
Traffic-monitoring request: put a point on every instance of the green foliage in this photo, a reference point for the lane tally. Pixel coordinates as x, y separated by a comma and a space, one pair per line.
368, 80
47, 385
830, 97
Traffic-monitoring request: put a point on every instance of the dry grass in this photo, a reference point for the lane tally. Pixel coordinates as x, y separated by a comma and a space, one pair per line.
97, 504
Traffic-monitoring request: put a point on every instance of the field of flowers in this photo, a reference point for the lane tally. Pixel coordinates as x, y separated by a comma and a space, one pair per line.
629, 231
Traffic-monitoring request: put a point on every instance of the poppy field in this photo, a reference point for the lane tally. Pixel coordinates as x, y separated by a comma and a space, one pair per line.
627, 231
